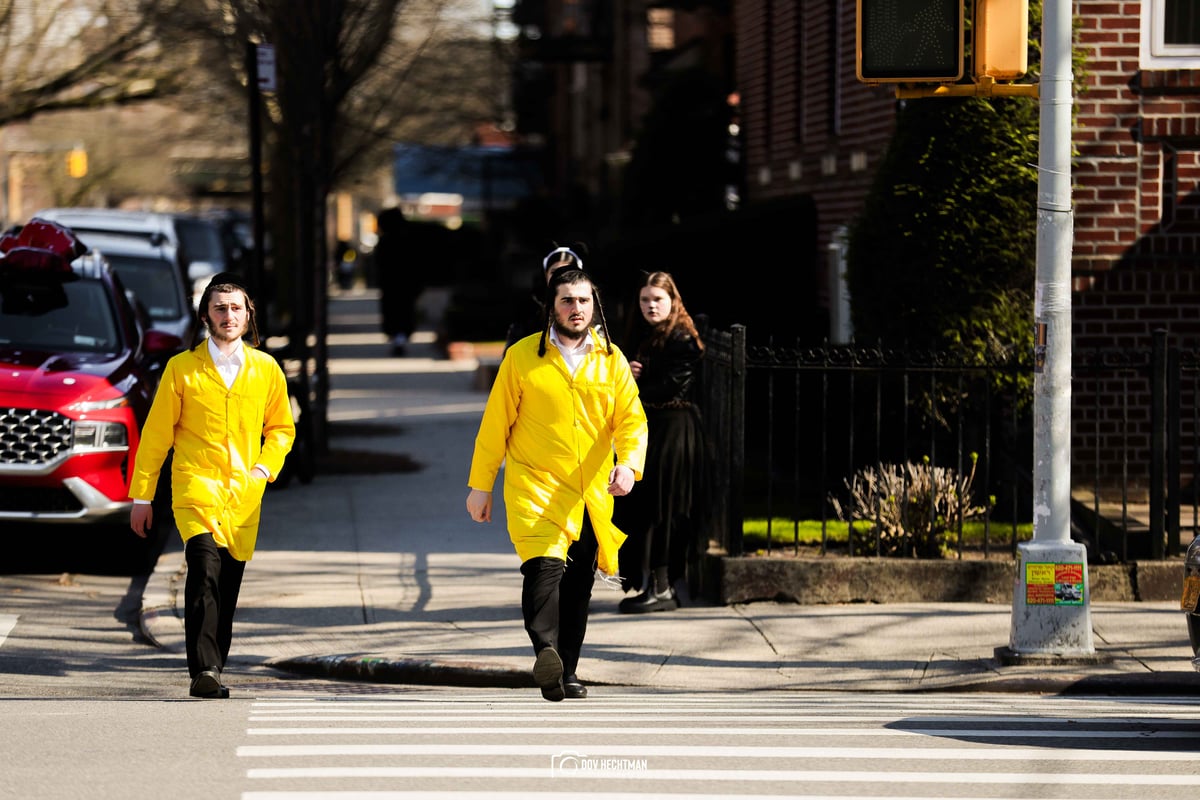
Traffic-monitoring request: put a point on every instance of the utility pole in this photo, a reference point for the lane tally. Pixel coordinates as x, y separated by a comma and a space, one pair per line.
1051, 597
1051, 594
256, 81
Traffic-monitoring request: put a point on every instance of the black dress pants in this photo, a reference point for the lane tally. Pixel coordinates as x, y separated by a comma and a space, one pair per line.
210, 595
555, 598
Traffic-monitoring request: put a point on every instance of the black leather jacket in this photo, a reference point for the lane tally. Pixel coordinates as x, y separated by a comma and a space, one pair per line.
668, 372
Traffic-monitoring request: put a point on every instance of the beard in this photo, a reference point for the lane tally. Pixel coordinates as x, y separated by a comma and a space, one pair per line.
220, 334
566, 330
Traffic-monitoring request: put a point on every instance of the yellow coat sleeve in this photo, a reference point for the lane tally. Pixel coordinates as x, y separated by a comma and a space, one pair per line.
158, 432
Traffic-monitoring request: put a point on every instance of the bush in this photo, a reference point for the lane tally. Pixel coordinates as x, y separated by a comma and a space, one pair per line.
916, 510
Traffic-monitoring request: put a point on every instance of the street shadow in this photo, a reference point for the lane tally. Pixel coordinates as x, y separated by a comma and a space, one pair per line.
1115, 733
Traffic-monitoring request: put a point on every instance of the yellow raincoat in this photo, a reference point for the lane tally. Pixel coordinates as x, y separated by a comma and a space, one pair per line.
556, 435
218, 434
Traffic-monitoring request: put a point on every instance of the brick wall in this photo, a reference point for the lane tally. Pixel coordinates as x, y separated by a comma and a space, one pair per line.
1137, 231
809, 126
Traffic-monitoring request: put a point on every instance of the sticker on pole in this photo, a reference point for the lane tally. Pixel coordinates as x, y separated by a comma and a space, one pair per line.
1191, 593
1050, 584
265, 54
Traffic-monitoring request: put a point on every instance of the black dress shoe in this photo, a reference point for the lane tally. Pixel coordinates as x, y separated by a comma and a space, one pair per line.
548, 674
574, 688
648, 601
208, 685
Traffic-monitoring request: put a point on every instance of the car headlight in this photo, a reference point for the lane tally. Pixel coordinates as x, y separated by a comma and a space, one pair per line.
94, 435
100, 405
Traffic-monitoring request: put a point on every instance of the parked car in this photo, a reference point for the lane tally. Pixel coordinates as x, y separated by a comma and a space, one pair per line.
1191, 598
237, 236
152, 272
197, 240
81, 366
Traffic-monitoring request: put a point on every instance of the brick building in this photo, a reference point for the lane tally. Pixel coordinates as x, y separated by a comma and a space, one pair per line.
810, 127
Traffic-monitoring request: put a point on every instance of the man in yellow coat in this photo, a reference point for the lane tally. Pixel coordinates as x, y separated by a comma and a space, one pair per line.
567, 424
224, 409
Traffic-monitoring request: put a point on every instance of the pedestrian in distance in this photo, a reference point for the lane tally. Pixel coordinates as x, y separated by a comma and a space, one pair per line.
564, 419
535, 319
399, 257
666, 352
222, 407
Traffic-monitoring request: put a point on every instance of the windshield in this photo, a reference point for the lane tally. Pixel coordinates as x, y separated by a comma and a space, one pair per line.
154, 281
68, 317
200, 240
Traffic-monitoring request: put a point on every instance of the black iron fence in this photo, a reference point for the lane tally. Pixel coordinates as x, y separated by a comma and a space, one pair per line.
1136, 448
791, 426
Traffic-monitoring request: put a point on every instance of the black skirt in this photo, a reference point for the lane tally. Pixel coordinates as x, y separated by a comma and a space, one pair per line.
658, 514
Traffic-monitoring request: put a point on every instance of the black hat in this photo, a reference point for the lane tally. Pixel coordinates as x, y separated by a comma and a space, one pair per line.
231, 278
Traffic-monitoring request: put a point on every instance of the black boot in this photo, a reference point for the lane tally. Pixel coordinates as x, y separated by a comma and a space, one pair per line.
659, 596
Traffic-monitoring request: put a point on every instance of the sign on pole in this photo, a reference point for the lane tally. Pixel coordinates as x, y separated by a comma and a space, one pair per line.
266, 67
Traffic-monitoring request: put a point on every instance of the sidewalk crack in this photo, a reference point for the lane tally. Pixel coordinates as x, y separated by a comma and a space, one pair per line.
758, 628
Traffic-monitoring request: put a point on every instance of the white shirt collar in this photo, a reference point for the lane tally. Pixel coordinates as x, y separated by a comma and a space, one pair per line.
573, 354
218, 357
583, 347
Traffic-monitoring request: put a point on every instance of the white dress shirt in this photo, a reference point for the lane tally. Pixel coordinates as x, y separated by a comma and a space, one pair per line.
228, 365
572, 355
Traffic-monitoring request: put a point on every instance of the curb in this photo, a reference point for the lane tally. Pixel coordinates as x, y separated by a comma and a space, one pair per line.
374, 669
423, 673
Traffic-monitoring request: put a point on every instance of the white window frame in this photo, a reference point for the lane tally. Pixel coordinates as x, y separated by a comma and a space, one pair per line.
1154, 53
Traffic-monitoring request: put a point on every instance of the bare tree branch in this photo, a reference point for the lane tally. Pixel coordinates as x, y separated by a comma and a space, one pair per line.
63, 55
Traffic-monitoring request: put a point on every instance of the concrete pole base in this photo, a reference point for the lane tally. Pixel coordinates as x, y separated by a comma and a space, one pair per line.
1007, 657
1051, 613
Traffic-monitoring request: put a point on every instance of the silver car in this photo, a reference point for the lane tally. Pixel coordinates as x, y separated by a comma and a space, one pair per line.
152, 273
196, 240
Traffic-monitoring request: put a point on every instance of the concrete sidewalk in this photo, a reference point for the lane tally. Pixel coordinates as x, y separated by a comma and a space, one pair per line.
381, 576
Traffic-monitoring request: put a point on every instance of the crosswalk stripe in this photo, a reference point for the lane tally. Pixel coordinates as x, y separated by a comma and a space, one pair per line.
759, 775
348, 715
557, 794
886, 733
653, 705
978, 753
7, 623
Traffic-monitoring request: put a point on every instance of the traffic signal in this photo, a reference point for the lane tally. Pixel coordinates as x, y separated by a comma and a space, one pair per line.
77, 165
1001, 47
909, 41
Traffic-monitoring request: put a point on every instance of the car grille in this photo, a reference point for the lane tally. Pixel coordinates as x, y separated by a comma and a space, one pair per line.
33, 436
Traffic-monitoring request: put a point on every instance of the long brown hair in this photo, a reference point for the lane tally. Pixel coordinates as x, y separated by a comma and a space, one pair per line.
678, 320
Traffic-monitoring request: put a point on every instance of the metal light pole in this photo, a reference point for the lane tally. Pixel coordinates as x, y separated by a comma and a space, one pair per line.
1051, 616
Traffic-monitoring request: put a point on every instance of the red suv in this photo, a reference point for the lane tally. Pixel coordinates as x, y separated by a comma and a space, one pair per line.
78, 368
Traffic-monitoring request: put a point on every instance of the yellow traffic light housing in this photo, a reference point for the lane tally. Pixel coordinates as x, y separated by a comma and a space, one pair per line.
77, 163
1001, 50
909, 41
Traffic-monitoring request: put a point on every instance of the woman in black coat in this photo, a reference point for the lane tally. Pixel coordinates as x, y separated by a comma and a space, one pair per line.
658, 515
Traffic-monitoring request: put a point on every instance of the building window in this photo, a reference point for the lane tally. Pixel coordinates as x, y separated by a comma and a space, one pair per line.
660, 25
1170, 34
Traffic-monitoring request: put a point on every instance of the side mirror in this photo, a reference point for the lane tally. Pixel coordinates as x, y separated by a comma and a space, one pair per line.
158, 342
